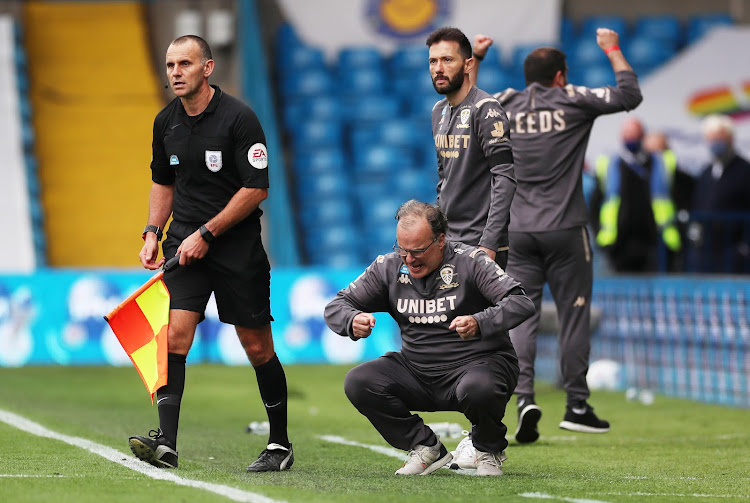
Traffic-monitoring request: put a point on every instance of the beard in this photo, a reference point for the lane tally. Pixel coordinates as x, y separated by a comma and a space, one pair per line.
453, 84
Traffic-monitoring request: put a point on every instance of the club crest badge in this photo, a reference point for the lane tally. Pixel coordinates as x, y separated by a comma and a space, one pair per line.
448, 275
465, 114
213, 160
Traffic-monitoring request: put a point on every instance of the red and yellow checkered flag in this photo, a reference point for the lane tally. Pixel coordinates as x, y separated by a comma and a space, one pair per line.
140, 323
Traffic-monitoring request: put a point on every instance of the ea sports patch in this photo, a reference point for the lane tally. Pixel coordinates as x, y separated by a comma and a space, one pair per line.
173, 160
257, 156
213, 160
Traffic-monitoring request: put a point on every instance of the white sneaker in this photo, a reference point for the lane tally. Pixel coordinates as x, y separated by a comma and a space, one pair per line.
488, 464
464, 455
423, 460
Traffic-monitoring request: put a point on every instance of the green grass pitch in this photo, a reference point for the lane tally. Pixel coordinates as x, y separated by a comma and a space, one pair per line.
673, 450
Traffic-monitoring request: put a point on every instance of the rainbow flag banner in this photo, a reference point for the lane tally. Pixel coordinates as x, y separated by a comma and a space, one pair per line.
140, 323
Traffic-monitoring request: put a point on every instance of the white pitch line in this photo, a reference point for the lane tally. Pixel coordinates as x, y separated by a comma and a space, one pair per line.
545, 496
134, 464
680, 495
388, 451
29, 476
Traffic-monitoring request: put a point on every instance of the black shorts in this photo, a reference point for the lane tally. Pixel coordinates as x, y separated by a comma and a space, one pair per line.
236, 269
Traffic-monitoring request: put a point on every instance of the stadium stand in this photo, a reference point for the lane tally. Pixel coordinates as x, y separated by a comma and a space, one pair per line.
91, 127
379, 106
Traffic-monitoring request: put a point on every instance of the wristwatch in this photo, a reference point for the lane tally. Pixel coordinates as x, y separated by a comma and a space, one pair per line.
154, 229
206, 235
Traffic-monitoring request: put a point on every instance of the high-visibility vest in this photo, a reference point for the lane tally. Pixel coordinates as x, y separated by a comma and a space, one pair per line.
662, 175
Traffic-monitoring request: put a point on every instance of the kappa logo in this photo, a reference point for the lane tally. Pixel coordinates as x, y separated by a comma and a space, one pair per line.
580, 302
173, 160
404, 279
492, 113
213, 160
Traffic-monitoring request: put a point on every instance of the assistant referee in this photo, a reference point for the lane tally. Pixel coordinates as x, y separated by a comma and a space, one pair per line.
210, 173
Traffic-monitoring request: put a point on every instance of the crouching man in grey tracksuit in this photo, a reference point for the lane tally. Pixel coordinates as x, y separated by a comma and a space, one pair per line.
454, 306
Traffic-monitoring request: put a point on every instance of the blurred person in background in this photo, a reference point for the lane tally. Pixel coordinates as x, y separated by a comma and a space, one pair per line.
721, 231
683, 185
637, 218
454, 306
551, 121
476, 182
209, 171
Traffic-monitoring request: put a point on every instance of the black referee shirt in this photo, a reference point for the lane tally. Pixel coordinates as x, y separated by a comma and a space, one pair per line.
208, 158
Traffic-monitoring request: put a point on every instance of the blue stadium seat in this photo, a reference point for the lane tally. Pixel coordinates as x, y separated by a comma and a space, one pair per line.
568, 32
299, 60
318, 187
417, 184
312, 108
587, 52
411, 57
590, 23
356, 58
403, 132
493, 79
382, 210
314, 134
319, 161
309, 83
644, 54
382, 159
373, 107
420, 107
327, 212
595, 76
666, 28
699, 25
362, 82
493, 56
286, 37
330, 239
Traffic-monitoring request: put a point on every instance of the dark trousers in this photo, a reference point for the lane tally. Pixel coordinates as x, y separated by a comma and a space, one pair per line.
387, 389
563, 259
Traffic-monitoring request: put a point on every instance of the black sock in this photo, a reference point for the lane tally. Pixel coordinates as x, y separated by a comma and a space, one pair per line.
272, 387
169, 396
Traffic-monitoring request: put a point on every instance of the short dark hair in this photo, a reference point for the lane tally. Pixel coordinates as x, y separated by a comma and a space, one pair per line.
431, 212
542, 64
450, 34
202, 45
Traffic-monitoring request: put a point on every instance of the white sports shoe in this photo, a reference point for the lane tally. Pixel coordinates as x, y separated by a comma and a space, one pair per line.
423, 460
489, 464
464, 455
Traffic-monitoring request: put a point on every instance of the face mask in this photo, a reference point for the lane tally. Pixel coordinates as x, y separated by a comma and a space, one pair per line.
718, 148
633, 146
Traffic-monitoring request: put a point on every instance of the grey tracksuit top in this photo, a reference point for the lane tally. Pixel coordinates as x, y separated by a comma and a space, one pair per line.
475, 169
467, 282
550, 128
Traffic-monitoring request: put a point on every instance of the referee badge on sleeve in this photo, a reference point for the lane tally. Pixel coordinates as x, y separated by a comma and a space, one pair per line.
213, 160
257, 156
